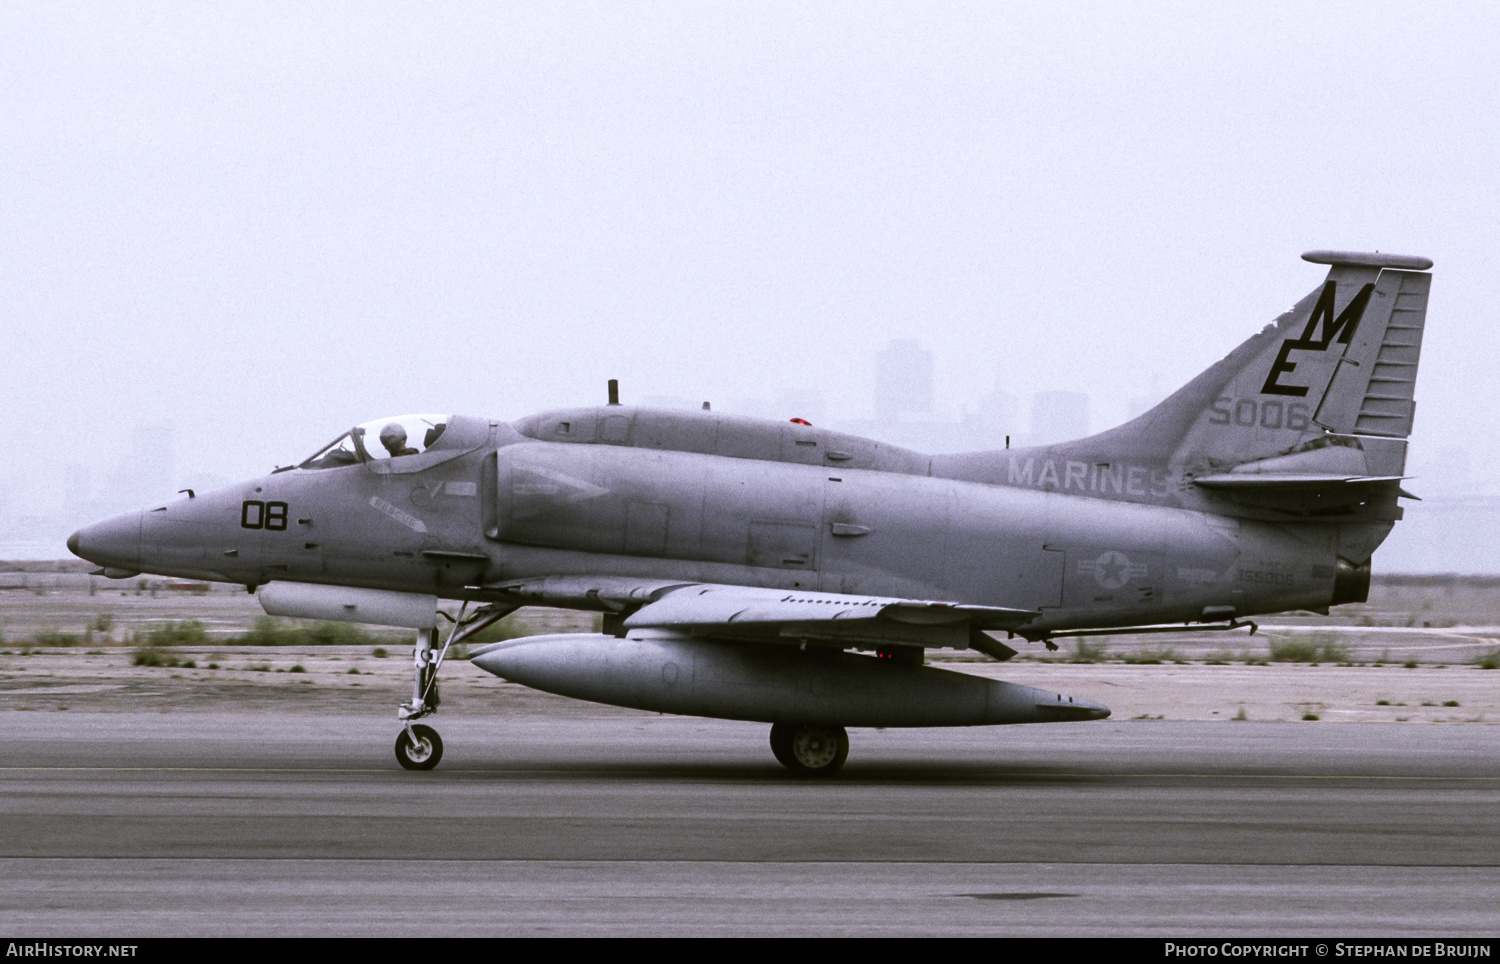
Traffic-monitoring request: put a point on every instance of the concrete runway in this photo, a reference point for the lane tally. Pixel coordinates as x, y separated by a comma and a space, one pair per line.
118, 825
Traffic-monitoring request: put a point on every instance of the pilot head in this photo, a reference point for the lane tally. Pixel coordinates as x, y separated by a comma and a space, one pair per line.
393, 437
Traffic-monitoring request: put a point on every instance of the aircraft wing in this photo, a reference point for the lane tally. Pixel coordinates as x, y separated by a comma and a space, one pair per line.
711, 605
778, 615
749, 613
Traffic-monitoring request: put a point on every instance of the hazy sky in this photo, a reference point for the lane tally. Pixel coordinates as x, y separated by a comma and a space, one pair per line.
262, 223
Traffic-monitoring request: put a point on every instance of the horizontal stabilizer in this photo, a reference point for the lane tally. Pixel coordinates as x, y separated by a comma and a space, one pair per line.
1308, 493
1285, 483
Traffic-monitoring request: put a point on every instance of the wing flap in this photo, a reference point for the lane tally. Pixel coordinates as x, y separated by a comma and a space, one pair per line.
748, 612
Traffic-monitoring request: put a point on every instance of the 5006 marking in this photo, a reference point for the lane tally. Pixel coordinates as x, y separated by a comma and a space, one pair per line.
1248, 411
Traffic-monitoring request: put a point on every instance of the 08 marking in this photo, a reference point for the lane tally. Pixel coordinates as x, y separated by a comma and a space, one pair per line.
255, 514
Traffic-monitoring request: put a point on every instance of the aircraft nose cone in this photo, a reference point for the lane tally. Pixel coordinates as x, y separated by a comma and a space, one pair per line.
113, 543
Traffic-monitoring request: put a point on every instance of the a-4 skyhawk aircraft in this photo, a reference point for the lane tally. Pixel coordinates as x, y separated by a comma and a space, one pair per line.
777, 572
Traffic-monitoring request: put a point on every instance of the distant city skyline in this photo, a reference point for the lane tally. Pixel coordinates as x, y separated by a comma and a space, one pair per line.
1457, 502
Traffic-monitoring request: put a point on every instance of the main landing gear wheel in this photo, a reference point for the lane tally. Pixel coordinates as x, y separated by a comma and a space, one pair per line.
810, 751
424, 753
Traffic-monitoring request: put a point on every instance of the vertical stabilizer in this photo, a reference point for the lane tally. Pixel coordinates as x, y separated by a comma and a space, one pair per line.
1326, 388
1342, 361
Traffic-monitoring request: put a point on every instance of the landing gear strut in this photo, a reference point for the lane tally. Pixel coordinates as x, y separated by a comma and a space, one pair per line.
810, 750
418, 747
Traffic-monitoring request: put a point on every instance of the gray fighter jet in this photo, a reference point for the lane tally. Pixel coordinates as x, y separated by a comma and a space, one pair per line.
781, 573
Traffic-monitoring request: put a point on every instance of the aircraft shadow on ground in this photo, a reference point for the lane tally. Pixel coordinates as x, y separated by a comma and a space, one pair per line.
883, 773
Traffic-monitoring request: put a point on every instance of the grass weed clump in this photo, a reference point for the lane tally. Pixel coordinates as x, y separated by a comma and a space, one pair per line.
1489, 659
189, 633
52, 637
1086, 650
149, 655
274, 632
1309, 649
1154, 655
154, 648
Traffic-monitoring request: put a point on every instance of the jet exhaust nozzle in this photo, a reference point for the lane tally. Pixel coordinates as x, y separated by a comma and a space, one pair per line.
1351, 583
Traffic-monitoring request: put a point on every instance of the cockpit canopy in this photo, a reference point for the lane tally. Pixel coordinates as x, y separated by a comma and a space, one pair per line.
381, 438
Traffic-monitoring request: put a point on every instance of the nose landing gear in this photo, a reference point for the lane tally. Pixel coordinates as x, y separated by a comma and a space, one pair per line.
418, 747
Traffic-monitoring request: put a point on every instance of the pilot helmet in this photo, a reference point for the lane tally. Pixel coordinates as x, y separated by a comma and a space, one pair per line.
393, 436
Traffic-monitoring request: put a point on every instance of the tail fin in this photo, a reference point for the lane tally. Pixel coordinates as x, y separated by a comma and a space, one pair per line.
1327, 389
1340, 362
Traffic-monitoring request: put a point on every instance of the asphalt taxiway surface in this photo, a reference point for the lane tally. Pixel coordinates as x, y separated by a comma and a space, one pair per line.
118, 825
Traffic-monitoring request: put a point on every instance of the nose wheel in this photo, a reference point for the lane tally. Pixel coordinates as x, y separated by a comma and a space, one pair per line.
418, 747
810, 751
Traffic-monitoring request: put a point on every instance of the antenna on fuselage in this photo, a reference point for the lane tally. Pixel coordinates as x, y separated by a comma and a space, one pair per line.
614, 391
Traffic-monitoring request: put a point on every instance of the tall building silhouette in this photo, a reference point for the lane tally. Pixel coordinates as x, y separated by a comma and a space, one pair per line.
903, 381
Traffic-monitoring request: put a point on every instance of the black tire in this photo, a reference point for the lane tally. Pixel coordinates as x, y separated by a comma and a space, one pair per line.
781, 743
812, 751
424, 754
